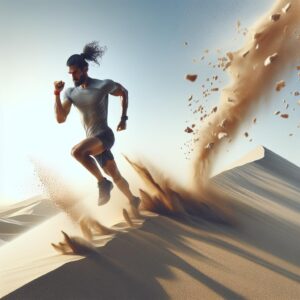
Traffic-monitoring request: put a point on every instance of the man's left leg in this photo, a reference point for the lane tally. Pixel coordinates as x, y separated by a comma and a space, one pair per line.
111, 169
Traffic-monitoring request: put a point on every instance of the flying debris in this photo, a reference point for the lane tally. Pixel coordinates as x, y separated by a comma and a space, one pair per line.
280, 85
214, 89
254, 121
223, 123
245, 53
190, 98
286, 8
188, 130
275, 17
246, 134
270, 59
222, 134
230, 56
228, 64
191, 77
257, 35
276, 113
230, 100
284, 116
209, 146
214, 109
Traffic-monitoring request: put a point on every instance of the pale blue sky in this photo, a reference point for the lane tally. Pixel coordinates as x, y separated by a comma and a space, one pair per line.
146, 53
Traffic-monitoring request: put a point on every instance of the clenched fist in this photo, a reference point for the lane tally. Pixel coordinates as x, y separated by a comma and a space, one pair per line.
59, 85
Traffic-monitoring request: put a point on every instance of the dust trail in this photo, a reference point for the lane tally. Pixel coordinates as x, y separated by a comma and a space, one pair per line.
75, 245
272, 48
63, 197
164, 196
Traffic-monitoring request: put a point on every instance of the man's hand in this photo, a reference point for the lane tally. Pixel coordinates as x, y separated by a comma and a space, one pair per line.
122, 125
59, 85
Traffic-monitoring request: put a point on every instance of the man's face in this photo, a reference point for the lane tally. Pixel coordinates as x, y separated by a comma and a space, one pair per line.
78, 75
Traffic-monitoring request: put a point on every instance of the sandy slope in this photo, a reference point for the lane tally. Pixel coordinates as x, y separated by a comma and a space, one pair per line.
258, 258
16, 219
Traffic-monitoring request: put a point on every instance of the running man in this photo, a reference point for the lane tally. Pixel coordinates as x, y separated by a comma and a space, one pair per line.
90, 96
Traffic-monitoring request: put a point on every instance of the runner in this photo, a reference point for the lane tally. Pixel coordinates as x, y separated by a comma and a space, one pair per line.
90, 96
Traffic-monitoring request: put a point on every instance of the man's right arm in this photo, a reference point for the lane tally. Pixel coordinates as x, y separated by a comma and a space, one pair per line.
61, 109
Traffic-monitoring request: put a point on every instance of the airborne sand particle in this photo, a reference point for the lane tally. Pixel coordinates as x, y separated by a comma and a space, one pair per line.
277, 51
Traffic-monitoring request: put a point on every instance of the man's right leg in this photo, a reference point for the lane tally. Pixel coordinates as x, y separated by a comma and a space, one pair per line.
82, 152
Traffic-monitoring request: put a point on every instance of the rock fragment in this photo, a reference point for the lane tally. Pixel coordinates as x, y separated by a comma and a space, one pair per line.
286, 8
209, 146
275, 17
222, 134
284, 116
214, 109
188, 130
270, 59
245, 53
223, 123
280, 85
191, 77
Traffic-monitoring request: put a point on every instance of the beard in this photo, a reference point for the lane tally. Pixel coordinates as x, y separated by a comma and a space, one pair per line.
80, 81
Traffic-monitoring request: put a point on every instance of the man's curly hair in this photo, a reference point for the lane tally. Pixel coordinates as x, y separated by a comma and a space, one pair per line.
91, 52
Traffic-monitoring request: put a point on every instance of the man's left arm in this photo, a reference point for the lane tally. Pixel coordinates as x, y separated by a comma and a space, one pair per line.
123, 93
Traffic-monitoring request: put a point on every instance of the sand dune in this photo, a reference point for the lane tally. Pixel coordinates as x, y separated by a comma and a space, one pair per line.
257, 258
16, 219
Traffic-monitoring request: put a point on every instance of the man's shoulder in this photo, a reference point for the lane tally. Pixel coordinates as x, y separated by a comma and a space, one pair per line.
101, 82
106, 86
70, 89
68, 92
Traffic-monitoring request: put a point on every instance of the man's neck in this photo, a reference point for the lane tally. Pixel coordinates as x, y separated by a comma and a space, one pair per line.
86, 83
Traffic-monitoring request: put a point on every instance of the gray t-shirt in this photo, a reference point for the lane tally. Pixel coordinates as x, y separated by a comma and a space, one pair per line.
92, 103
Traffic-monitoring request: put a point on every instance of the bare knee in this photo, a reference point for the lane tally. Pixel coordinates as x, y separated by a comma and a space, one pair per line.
78, 153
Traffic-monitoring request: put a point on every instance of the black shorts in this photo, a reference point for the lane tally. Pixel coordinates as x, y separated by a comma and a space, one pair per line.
108, 139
